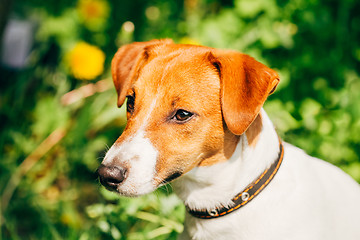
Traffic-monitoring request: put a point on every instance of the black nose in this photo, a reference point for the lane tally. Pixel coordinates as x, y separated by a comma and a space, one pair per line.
111, 176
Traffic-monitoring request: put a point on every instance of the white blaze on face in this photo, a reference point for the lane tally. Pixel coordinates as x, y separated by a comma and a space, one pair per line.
138, 156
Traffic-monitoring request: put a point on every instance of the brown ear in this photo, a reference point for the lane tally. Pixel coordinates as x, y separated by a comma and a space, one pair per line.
245, 85
125, 61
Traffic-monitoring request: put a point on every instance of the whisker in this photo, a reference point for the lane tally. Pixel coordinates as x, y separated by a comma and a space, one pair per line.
171, 187
107, 147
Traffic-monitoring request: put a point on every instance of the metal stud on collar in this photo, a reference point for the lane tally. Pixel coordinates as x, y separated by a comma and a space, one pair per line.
245, 196
213, 212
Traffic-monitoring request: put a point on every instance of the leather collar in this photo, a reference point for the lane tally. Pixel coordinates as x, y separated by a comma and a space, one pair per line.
250, 192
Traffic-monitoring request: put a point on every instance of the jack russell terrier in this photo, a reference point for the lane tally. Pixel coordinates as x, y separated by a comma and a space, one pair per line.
195, 115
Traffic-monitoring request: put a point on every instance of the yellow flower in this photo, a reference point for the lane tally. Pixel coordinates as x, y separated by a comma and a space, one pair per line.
93, 13
188, 40
86, 61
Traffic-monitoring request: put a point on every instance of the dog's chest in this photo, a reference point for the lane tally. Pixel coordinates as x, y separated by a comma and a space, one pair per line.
229, 227
209, 229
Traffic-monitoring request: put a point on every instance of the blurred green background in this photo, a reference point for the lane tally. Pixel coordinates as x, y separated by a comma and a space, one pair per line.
58, 110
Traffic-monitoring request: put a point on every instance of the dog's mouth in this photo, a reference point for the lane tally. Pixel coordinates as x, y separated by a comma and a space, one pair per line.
115, 179
171, 177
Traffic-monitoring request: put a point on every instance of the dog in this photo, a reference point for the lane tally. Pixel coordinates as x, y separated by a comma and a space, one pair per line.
195, 118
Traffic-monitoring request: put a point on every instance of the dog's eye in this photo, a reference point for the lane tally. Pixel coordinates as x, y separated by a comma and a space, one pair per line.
130, 103
182, 115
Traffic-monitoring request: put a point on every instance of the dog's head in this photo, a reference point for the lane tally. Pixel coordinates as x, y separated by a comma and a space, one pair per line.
186, 107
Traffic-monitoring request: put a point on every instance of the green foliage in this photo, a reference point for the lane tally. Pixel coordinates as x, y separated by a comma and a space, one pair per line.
53, 138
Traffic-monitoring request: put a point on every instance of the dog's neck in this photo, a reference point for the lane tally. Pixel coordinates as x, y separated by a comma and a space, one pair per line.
216, 185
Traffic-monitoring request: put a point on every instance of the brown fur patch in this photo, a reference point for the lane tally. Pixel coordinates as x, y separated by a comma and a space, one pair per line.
230, 142
245, 85
173, 77
253, 132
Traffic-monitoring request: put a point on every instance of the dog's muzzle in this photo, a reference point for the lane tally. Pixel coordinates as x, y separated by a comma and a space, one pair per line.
111, 176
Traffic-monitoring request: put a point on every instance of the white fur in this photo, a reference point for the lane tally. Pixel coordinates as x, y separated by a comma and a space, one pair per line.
307, 199
138, 155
